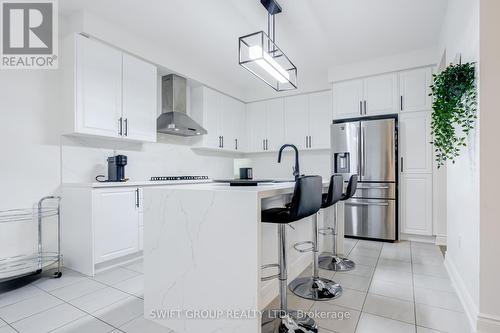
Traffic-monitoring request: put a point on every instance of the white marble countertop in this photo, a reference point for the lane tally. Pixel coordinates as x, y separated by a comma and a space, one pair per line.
139, 183
263, 190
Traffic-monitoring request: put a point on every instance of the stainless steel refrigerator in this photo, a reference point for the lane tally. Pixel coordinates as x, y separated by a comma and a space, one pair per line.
368, 147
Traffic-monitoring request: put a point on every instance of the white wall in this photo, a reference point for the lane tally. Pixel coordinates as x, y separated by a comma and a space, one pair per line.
460, 35
35, 158
489, 287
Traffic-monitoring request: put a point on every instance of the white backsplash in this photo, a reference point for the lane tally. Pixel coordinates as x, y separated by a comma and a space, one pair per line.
84, 158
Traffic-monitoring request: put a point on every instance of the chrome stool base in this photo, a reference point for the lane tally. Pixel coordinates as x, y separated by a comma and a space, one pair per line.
336, 263
274, 321
316, 289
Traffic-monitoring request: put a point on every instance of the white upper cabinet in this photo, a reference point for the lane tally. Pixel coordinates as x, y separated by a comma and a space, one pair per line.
98, 88
347, 98
320, 119
414, 86
106, 92
274, 124
139, 99
380, 94
296, 122
415, 146
222, 116
256, 120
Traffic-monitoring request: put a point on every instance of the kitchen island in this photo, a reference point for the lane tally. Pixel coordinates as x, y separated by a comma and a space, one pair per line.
204, 245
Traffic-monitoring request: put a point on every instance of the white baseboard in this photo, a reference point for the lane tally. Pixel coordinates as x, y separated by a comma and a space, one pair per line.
270, 289
418, 238
441, 240
471, 309
488, 323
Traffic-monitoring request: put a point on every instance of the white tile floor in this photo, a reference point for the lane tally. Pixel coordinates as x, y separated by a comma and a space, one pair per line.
396, 288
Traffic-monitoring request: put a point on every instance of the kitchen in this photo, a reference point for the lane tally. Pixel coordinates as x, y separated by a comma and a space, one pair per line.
127, 120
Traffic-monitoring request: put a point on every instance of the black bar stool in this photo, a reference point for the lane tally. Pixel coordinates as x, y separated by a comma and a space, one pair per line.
306, 201
333, 262
314, 287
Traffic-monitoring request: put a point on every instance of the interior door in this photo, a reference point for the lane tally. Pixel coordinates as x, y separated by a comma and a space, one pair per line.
381, 94
296, 120
116, 213
99, 88
139, 99
378, 151
320, 119
274, 124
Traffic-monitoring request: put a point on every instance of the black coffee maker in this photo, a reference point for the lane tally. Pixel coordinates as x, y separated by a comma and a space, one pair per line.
116, 168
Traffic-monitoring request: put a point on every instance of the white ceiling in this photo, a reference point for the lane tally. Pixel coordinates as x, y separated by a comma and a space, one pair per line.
315, 34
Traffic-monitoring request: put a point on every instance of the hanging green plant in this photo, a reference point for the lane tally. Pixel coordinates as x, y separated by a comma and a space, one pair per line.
454, 110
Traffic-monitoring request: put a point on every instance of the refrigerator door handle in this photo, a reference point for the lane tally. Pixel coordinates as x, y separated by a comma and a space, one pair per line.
362, 158
366, 203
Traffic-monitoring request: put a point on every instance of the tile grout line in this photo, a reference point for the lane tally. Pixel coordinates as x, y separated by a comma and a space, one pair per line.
87, 313
369, 285
413, 289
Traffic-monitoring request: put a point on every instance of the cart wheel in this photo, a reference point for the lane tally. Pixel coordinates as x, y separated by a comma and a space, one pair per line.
57, 275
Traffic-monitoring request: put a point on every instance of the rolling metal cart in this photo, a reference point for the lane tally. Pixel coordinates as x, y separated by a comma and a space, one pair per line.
24, 265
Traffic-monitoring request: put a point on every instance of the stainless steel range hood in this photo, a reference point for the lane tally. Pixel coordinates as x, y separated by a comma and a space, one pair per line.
174, 119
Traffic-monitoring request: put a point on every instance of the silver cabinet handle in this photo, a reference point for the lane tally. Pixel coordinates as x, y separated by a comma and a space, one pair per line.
120, 126
126, 127
137, 201
267, 144
307, 142
360, 107
222, 141
402, 163
401, 104
310, 141
235, 144
364, 103
263, 144
367, 204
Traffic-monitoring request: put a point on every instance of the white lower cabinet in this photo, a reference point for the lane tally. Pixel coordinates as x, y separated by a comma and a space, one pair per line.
101, 226
116, 223
416, 204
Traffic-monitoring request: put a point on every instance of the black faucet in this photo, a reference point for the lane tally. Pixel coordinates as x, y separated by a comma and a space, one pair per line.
296, 170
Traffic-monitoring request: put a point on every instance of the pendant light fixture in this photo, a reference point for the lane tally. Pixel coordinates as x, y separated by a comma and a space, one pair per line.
260, 55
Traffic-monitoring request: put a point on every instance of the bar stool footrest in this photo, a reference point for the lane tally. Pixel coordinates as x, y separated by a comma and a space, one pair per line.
270, 277
297, 246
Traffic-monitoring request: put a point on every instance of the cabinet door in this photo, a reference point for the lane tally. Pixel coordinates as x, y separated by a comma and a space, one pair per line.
274, 124
98, 88
347, 97
416, 204
115, 213
212, 118
227, 115
414, 89
296, 129
320, 119
139, 99
415, 146
380, 94
256, 125
238, 140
